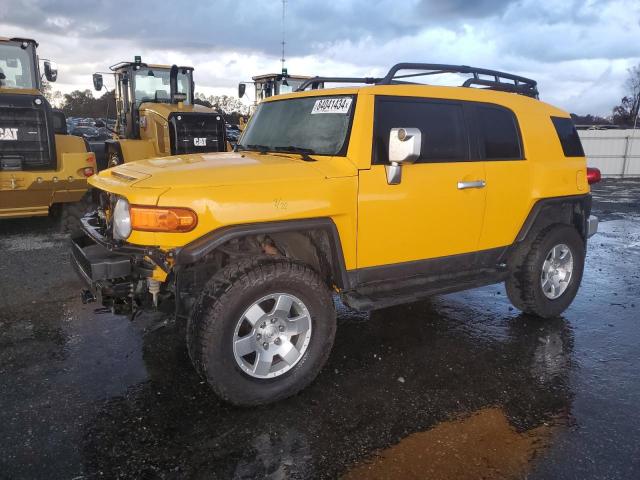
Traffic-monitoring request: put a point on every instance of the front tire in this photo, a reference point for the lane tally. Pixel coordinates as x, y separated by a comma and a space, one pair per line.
261, 330
546, 273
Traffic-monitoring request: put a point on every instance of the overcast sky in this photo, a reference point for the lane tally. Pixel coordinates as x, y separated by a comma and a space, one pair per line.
579, 51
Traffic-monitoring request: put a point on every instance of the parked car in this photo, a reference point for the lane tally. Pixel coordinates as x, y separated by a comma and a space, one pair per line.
89, 133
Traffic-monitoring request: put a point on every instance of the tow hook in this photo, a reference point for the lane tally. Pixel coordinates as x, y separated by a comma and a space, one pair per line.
87, 296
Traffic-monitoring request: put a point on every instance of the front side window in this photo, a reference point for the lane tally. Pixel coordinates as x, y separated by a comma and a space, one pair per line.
314, 125
17, 66
568, 136
152, 85
444, 133
500, 137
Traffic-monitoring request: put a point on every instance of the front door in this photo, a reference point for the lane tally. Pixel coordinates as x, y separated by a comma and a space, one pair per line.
436, 210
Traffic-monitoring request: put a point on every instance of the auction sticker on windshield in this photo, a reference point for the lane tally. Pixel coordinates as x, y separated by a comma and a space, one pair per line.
332, 105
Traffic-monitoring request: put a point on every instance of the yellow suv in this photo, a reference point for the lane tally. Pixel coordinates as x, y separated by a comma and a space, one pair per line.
383, 193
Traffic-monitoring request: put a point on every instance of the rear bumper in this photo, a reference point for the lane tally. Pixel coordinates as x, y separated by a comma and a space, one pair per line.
592, 226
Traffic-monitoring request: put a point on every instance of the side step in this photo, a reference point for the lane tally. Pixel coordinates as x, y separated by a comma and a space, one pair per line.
376, 297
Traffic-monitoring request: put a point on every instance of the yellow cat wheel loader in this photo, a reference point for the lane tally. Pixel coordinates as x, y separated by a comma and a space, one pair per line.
42, 168
271, 84
156, 115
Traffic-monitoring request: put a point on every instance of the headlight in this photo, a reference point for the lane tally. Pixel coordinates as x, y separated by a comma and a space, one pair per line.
121, 220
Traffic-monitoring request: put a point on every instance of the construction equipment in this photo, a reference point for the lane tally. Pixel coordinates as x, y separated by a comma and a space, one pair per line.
41, 166
156, 115
271, 84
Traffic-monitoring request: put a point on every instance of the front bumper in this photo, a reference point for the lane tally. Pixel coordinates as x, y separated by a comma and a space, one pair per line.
94, 263
592, 226
106, 274
116, 274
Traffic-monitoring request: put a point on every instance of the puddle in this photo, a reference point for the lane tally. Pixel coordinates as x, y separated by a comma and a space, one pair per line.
483, 445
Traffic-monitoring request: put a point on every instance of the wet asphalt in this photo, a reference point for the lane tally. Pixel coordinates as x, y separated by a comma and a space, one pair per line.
461, 386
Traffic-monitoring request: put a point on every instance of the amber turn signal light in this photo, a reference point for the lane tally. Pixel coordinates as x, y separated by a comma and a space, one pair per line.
162, 219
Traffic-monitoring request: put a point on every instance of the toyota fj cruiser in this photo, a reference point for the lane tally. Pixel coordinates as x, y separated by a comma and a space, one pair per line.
382, 194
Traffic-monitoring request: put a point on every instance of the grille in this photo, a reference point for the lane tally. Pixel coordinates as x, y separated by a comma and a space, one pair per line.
196, 133
27, 140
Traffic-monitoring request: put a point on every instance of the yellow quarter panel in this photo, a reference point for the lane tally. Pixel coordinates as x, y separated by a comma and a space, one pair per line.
513, 187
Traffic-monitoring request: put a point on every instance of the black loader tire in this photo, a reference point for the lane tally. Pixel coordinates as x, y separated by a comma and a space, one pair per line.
70, 214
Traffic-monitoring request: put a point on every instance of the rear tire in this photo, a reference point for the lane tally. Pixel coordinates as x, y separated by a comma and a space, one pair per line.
544, 281
243, 291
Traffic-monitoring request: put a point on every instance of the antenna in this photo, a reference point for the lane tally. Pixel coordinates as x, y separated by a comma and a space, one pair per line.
284, 2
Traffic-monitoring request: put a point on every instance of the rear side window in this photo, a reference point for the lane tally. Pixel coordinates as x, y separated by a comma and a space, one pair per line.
568, 136
500, 136
444, 134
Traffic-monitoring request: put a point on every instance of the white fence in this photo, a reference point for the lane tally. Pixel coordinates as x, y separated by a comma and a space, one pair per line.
615, 152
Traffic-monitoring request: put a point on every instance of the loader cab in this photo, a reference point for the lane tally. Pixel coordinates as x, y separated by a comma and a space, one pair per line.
272, 84
137, 83
19, 64
27, 131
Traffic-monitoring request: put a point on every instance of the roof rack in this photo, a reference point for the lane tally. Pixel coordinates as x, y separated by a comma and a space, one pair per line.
314, 81
501, 81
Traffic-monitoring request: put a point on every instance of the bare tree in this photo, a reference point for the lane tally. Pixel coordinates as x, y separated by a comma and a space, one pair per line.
627, 112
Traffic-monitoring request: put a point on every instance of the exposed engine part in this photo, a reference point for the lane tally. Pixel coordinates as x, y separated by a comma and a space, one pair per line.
154, 290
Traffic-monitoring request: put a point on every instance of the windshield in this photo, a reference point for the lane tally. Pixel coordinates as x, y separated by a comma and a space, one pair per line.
152, 85
16, 66
317, 125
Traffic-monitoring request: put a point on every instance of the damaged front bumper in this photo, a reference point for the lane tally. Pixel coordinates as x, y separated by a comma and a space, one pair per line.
118, 275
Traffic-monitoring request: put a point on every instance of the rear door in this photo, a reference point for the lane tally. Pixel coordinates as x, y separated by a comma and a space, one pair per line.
508, 174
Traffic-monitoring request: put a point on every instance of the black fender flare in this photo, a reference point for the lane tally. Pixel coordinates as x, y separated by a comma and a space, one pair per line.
571, 210
199, 248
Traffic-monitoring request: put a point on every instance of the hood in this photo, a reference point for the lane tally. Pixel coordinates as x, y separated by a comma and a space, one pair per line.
219, 169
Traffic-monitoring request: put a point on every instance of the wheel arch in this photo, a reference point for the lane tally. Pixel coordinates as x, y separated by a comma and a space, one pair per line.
571, 210
314, 241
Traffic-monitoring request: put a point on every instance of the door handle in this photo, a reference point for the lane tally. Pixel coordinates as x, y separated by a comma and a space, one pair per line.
473, 184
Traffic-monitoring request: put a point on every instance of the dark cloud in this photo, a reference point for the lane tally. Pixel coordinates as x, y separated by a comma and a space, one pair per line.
566, 44
254, 25
462, 9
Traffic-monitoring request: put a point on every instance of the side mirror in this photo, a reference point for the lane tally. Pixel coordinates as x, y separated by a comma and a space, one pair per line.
242, 88
50, 71
404, 147
97, 81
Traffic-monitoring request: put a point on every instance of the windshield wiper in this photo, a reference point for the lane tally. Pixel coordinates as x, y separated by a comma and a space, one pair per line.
258, 148
304, 152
